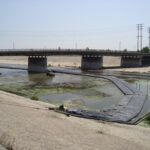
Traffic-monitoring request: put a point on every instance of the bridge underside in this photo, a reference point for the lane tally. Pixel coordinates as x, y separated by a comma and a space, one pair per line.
91, 62
37, 64
131, 61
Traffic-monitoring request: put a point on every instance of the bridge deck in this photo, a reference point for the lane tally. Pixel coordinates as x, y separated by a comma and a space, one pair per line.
76, 52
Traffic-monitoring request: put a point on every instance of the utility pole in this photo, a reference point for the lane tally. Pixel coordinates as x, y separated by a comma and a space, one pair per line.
76, 46
149, 36
139, 37
119, 48
13, 45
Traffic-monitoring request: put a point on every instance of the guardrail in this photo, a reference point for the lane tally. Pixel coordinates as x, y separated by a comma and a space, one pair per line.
49, 52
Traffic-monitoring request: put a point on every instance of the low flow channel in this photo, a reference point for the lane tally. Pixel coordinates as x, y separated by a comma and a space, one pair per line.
127, 108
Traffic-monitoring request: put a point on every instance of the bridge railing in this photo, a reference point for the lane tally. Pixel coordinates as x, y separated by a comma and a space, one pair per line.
28, 52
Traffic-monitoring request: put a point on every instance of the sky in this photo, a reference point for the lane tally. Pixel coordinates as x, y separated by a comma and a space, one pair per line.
97, 24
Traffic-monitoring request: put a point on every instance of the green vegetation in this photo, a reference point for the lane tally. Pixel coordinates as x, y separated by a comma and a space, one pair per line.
39, 87
100, 132
50, 65
148, 119
34, 98
131, 80
146, 122
145, 50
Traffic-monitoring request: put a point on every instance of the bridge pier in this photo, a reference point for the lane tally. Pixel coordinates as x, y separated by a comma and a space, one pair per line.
91, 62
146, 61
37, 64
131, 61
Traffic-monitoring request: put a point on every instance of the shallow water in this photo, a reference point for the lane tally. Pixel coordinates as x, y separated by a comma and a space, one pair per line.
71, 90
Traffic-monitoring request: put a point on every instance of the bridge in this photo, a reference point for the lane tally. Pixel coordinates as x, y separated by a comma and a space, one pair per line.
92, 59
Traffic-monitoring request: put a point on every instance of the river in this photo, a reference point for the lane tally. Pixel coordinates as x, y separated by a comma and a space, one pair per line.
70, 90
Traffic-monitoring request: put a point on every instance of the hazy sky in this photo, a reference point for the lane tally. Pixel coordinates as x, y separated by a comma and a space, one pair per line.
72, 23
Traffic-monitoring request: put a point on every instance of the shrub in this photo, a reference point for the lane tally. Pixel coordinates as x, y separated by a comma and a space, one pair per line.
147, 119
34, 98
100, 132
145, 50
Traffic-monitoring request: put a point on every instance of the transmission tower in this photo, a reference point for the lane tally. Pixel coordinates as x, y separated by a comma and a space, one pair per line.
139, 37
149, 37
13, 45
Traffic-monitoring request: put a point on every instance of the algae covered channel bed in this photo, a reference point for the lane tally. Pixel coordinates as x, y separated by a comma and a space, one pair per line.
70, 90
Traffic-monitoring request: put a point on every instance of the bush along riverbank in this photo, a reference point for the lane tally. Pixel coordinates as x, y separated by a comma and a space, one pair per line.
146, 122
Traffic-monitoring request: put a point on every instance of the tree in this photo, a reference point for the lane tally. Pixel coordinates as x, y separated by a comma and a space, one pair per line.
87, 49
145, 50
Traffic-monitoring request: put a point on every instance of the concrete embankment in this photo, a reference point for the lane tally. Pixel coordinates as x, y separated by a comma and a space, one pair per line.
28, 125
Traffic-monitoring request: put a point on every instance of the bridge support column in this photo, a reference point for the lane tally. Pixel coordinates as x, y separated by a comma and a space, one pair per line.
131, 61
146, 61
91, 62
37, 64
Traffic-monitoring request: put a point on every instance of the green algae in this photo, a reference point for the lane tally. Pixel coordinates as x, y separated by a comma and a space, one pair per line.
70, 90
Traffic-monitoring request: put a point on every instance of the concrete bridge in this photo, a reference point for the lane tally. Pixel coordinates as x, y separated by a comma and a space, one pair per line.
92, 59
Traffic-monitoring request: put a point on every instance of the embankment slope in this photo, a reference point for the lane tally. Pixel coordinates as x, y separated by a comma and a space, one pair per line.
26, 124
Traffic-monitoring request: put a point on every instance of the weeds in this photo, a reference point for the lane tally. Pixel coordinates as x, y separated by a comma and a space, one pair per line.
146, 122
34, 98
147, 119
100, 132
